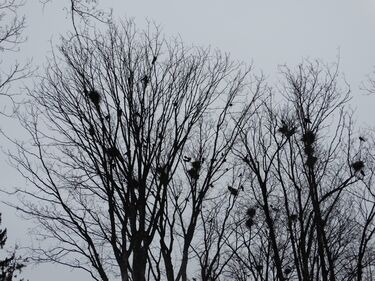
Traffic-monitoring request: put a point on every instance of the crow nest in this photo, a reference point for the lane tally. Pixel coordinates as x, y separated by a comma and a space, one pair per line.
311, 160
287, 130
195, 168
249, 223
308, 137
196, 165
94, 97
251, 212
309, 149
358, 165
194, 174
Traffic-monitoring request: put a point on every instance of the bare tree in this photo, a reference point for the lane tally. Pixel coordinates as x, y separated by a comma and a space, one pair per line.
10, 37
11, 27
150, 160
310, 213
129, 133
84, 12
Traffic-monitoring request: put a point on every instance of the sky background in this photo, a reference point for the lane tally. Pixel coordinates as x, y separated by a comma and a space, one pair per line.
267, 33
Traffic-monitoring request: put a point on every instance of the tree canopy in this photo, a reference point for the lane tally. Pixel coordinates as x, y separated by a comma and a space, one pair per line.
149, 159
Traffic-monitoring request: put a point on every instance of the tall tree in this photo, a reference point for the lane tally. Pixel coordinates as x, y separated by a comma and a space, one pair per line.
129, 133
310, 212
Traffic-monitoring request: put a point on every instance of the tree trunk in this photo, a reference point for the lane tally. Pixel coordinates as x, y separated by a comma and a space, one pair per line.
139, 264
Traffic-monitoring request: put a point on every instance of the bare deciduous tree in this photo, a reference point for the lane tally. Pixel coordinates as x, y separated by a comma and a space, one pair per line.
129, 134
84, 12
311, 207
151, 160
10, 37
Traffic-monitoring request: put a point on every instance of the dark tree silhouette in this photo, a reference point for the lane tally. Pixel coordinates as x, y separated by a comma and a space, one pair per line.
150, 160
315, 218
10, 38
305, 207
122, 150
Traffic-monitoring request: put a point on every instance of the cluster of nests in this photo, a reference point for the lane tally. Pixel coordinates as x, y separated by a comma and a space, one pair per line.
287, 130
95, 97
308, 139
287, 269
290, 130
250, 213
196, 165
359, 165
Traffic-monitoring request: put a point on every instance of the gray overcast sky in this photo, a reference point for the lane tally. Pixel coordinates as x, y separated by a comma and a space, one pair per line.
269, 33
